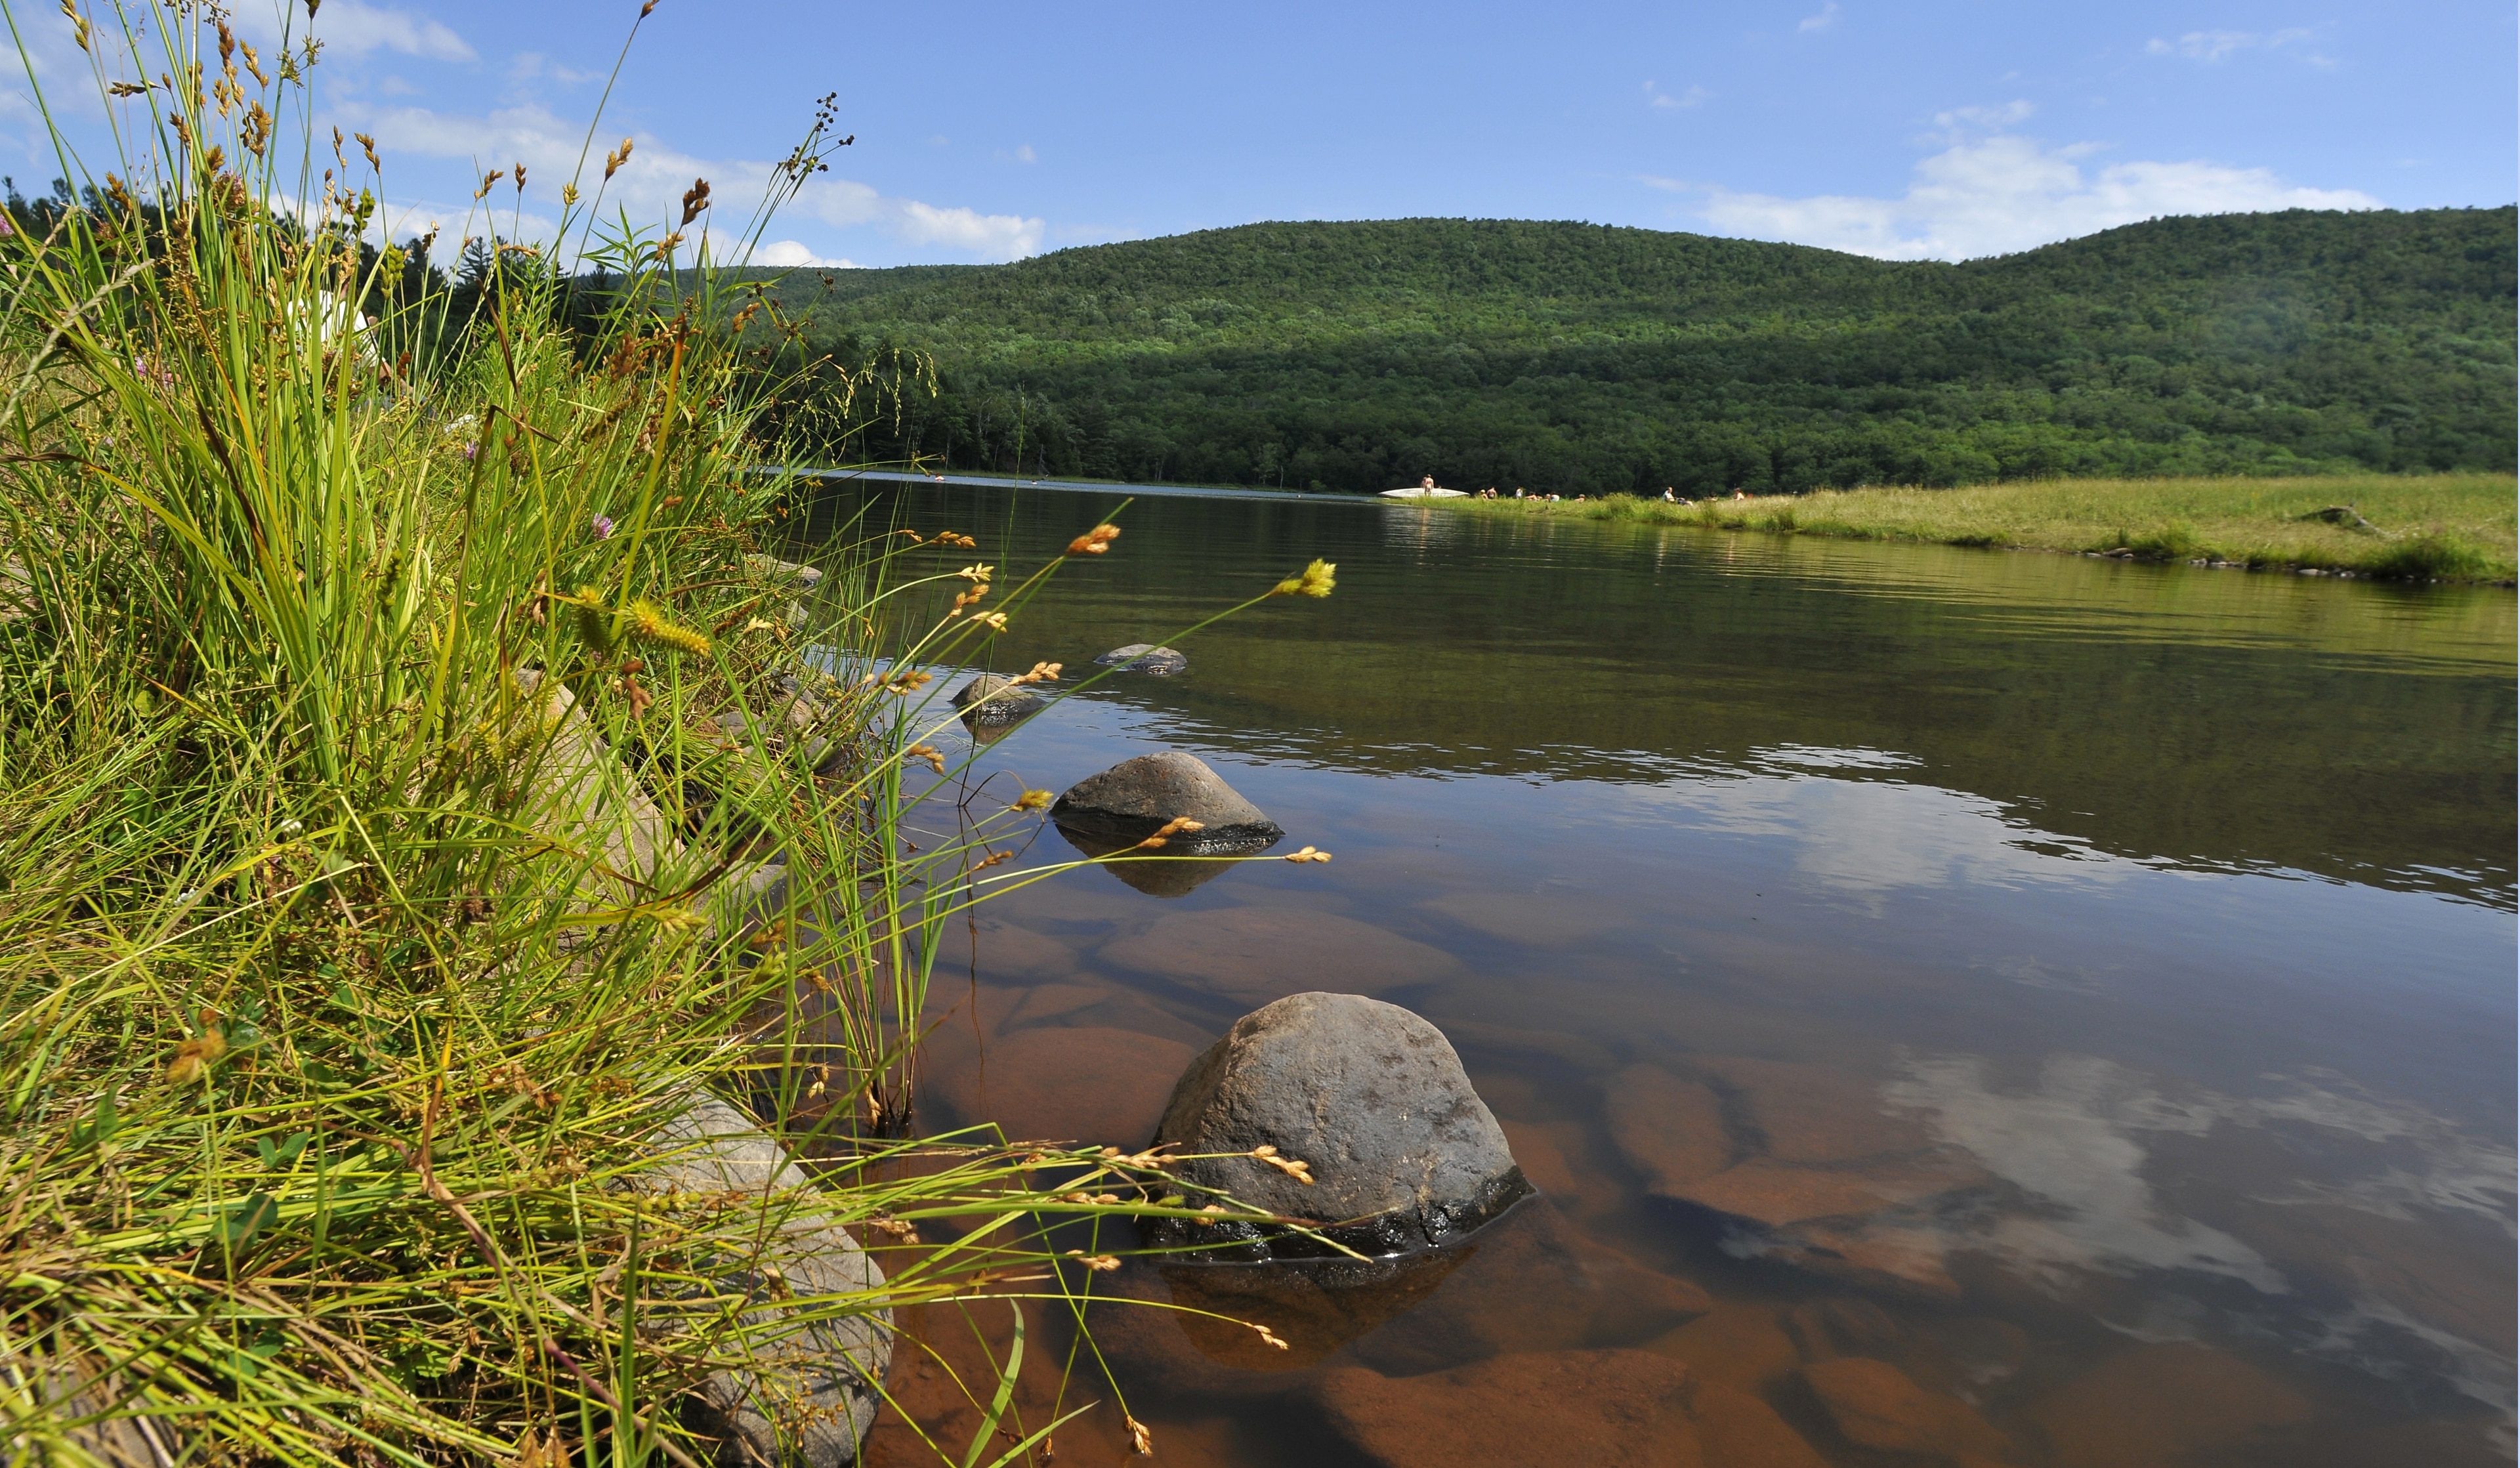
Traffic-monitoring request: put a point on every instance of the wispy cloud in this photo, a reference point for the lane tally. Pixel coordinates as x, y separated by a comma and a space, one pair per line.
1991, 118
355, 29
1657, 97
651, 186
1826, 20
1993, 195
2213, 46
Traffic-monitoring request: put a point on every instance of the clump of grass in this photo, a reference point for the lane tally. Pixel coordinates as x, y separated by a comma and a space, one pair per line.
2427, 526
386, 841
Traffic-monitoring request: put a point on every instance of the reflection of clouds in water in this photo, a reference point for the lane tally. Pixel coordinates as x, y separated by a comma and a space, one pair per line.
2068, 1145
2072, 1145
1868, 839
2472, 1370
2455, 1173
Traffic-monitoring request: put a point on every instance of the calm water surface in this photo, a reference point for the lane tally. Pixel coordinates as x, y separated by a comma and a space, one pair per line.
2087, 988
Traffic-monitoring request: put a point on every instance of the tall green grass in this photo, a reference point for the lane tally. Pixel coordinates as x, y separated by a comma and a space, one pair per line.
2457, 527
400, 725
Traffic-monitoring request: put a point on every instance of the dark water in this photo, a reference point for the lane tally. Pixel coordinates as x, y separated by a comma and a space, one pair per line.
2124, 955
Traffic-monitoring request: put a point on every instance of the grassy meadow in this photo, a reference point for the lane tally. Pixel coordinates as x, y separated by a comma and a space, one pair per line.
2457, 527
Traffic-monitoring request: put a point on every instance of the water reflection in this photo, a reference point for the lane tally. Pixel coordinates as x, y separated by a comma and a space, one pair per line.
2084, 989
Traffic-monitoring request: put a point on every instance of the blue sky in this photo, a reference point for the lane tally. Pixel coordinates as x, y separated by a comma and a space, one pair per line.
989, 132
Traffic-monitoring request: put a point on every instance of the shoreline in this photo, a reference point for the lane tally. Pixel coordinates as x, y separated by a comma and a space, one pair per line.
2426, 528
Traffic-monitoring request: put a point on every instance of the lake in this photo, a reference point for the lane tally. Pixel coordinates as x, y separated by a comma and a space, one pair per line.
2139, 940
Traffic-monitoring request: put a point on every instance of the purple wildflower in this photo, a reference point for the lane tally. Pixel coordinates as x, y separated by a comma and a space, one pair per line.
604, 527
471, 449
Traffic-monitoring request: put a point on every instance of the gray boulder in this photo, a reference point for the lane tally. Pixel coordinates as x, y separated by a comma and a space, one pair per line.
1370, 1099
810, 1395
996, 700
1136, 798
1144, 658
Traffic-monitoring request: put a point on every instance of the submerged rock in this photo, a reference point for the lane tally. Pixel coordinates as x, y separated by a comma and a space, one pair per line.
1604, 1409
1369, 1099
996, 700
1087, 1082
1144, 658
1252, 956
1874, 1404
2166, 1403
1136, 798
1801, 1164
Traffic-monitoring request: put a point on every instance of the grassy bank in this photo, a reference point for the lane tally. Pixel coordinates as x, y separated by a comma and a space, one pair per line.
2430, 526
404, 729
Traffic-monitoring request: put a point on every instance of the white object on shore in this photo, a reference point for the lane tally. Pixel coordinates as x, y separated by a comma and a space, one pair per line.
1417, 492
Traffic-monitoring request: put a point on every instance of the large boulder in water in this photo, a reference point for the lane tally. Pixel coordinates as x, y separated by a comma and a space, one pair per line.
1370, 1099
1144, 658
1136, 798
994, 700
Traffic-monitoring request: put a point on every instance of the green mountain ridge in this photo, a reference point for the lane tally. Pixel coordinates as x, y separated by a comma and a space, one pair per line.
1590, 359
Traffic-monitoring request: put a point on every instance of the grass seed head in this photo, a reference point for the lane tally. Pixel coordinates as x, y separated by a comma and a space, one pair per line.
194, 1057
1093, 542
1315, 580
650, 625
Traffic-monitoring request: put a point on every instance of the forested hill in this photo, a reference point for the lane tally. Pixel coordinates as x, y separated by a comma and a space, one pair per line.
1577, 358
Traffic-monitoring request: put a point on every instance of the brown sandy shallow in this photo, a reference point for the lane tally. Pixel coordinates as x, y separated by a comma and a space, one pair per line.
1542, 1340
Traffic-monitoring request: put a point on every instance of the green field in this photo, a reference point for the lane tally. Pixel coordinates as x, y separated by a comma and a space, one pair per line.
2429, 526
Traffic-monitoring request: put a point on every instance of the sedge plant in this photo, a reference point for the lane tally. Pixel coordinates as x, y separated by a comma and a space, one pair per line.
419, 782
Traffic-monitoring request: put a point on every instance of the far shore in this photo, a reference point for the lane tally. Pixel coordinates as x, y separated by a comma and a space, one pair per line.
2420, 527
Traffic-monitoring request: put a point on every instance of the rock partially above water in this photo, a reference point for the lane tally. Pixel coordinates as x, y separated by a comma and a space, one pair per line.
1370, 1098
1144, 658
996, 700
1136, 798
810, 1395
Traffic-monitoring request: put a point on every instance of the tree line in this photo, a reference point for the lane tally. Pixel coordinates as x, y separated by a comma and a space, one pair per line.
1580, 359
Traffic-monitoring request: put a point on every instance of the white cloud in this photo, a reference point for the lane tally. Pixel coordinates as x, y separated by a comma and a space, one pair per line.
995, 237
1996, 194
793, 254
2018, 110
2212, 46
1826, 20
651, 186
1025, 154
1657, 97
354, 28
